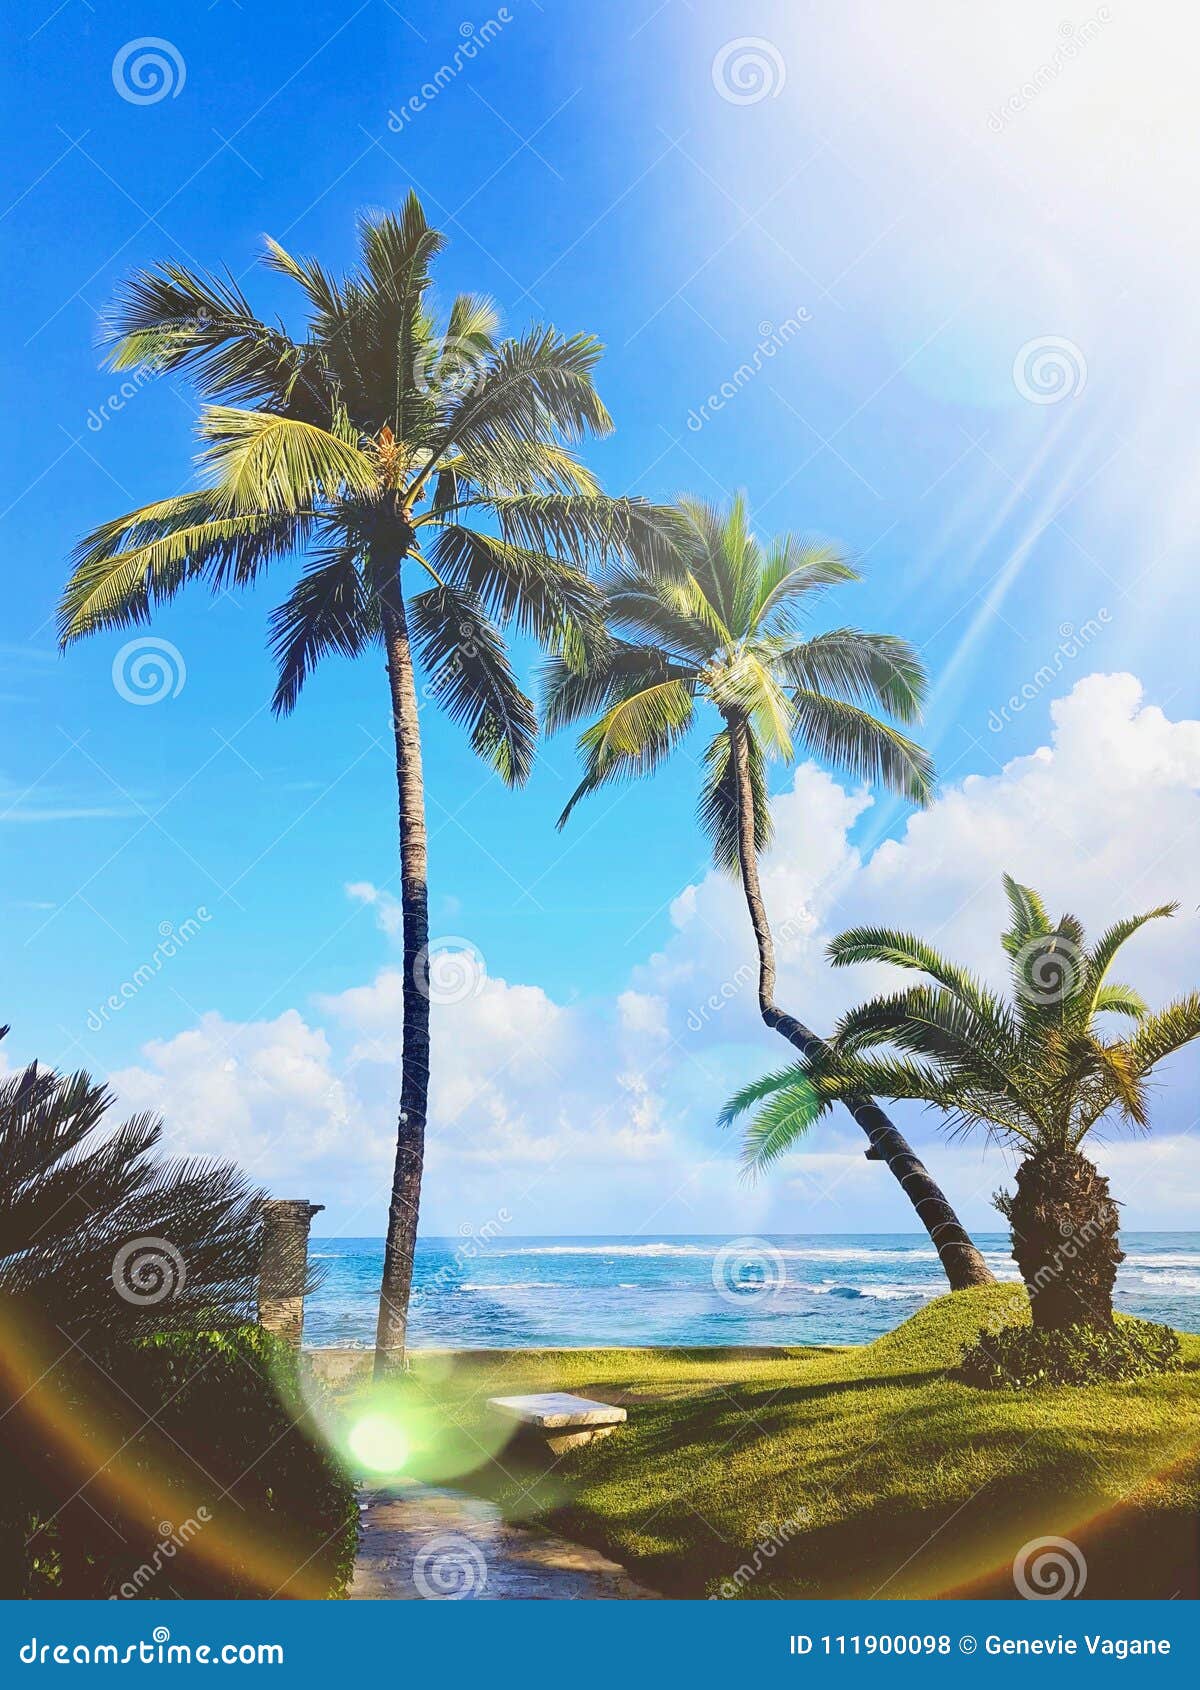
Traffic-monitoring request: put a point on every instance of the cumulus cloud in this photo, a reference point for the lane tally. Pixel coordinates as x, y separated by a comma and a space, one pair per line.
598, 1115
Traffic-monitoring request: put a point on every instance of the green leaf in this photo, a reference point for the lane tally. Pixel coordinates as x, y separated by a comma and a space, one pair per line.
470, 677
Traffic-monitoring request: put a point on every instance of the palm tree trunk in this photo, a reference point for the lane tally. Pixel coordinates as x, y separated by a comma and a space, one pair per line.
1064, 1234
414, 906
963, 1264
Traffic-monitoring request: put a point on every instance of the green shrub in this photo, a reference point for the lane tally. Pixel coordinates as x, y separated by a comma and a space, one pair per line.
217, 1485
1020, 1357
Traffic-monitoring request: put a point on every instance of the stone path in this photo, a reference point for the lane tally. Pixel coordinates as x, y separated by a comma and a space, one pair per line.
424, 1544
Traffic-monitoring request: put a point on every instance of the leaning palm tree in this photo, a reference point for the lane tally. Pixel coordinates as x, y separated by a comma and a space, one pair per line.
719, 621
423, 469
1036, 1071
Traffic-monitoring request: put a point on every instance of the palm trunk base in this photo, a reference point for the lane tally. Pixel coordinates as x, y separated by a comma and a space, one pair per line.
1064, 1236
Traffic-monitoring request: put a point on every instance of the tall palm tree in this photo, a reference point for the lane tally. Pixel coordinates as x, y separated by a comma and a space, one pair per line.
1037, 1071
719, 620
423, 469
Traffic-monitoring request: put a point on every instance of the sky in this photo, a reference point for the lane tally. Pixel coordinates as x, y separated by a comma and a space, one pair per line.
919, 280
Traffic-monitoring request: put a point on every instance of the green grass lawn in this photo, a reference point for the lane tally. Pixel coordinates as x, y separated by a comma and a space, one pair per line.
868, 1471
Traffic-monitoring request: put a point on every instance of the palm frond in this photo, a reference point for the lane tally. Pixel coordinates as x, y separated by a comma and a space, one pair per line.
1102, 955
792, 573
171, 317
571, 690
717, 811
124, 567
1163, 1032
328, 610
866, 668
543, 596
1115, 999
861, 745
1028, 913
633, 737
585, 529
263, 462
470, 676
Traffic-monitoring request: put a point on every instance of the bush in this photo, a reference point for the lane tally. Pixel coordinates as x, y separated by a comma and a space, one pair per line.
215, 1482
1020, 1357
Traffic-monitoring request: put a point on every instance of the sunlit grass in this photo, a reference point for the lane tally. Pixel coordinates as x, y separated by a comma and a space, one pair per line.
840, 1472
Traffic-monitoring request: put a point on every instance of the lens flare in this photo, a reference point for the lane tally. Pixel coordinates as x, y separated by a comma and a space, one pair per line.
379, 1442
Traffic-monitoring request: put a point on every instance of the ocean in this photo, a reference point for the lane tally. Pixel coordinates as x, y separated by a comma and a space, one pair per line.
821, 1288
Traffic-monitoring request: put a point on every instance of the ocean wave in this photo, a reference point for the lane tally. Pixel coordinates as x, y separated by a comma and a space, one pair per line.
1148, 1259
1162, 1281
810, 1253
512, 1285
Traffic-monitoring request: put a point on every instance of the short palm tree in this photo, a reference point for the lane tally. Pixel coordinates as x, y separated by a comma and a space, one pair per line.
1037, 1071
719, 621
424, 471
102, 1242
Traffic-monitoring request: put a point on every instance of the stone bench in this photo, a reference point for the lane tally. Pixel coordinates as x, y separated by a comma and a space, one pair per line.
563, 1420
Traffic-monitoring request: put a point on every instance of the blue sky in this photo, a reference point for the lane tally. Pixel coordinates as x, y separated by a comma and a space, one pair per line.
929, 220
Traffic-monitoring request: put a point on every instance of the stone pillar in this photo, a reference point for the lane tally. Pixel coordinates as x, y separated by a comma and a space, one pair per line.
283, 1271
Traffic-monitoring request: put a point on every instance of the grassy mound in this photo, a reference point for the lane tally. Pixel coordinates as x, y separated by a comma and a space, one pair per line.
872, 1471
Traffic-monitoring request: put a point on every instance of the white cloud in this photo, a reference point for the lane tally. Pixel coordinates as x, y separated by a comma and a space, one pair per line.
598, 1116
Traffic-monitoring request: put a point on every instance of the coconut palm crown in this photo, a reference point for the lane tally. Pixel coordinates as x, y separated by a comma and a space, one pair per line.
721, 618
1038, 1069
722, 622
422, 468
